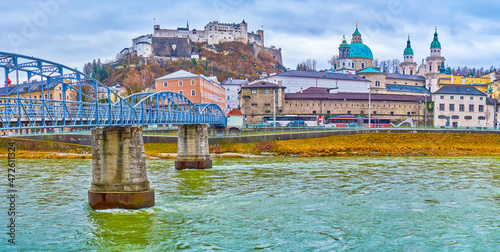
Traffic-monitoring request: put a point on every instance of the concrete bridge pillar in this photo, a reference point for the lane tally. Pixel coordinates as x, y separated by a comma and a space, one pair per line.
119, 176
192, 147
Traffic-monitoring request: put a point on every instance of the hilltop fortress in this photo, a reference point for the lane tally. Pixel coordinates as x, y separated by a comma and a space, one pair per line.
176, 43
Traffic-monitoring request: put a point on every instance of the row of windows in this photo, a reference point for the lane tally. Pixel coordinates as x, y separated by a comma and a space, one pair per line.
193, 92
452, 97
411, 73
180, 83
354, 105
406, 83
373, 113
461, 107
50, 97
267, 91
465, 117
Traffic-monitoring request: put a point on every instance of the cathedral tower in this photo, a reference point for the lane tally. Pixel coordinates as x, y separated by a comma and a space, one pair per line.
356, 36
408, 66
433, 63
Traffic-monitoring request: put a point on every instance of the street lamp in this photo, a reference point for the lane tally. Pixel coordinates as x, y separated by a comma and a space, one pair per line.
369, 107
425, 111
121, 83
274, 107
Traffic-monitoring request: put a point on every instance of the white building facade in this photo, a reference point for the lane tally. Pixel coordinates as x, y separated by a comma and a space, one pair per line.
297, 81
142, 46
463, 106
232, 88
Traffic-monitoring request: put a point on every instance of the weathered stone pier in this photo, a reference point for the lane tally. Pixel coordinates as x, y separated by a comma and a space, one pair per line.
192, 147
119, 176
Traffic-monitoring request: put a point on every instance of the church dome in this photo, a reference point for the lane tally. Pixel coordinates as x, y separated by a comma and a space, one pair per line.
435, 43
360, 50
344, 43
408, 50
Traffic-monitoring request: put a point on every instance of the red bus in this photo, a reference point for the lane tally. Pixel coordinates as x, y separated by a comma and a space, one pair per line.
344, 121
351, 121
377, 122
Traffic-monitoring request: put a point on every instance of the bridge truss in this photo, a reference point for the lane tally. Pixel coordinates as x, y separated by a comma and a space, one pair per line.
41, 94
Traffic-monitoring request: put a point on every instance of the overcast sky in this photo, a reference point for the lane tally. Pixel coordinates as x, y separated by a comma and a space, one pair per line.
74, 33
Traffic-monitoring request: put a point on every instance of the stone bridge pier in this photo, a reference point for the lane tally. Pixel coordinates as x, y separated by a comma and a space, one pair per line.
119, 176
192, 147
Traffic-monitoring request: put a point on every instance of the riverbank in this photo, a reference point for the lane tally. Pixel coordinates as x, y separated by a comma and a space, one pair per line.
373, 144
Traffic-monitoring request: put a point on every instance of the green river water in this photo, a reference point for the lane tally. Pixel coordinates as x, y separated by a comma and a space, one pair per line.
278, 204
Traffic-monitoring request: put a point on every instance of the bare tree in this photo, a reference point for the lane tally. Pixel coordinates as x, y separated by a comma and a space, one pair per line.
333, 60
138, 81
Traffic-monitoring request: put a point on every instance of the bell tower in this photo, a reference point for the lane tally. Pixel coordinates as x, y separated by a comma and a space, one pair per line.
356, 36
433, 64
408, 66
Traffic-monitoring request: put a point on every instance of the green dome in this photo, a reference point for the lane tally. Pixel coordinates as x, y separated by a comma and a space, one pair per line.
435, 43
344, 43
408, 50
361, 50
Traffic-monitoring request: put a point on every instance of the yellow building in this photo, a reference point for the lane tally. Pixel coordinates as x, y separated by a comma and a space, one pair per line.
482, 83
34, 91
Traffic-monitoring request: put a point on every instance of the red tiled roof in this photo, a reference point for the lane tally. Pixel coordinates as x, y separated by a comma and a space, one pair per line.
235, 112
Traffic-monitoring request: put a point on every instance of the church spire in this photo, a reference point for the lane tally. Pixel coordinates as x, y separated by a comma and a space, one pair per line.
408, 50
356, 36
435, 42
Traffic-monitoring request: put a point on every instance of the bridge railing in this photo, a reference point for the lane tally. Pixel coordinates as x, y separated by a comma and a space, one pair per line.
83, 101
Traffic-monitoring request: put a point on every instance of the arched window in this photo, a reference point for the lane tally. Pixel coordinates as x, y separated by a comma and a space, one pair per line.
411, 72
403, 71
362, 65
343, 63
377, 83
430, 67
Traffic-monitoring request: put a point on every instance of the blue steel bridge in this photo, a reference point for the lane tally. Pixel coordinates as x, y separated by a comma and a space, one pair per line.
30, 101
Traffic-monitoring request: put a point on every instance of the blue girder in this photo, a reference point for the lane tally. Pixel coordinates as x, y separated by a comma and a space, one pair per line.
19, 109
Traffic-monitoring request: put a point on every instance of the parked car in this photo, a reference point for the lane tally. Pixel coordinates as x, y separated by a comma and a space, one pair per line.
296, 124
271, 124
260, 125
352, 125
330, 125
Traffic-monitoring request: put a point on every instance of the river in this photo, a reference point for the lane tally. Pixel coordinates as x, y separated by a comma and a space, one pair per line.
285, 204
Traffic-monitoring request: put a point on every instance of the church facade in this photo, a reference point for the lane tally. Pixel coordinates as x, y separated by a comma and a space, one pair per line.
357, 58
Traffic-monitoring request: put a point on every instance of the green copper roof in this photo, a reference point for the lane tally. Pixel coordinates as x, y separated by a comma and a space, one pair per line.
344, 43
435, 43
356, 32
369, 70
442, 69
408, 50
360, 50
